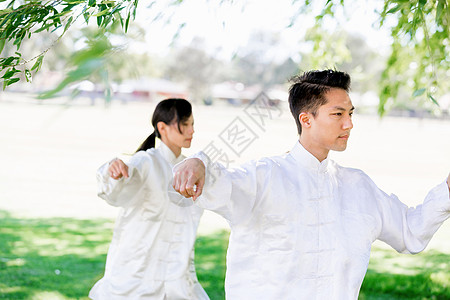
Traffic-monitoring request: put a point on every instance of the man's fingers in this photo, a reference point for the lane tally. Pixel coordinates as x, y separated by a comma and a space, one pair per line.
448, 181
187, 175
123, 169
180, 179
181, 184
190, 186
199, 189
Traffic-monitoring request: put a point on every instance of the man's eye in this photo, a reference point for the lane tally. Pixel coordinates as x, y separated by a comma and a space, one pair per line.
338, 114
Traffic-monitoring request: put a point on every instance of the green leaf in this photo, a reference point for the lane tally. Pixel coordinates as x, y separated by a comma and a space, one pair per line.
10, 73
394, 9
8, 61
74, 2
6, 10
45, 27
37, 65
419, 92
103, 12
69, 22
422, 3
86, 17
11, 81
17, 42
433, 100
2, 44
91, 3
439, 9
127, 22
28, 76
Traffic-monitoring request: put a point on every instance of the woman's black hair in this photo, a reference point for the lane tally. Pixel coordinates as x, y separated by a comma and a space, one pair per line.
168, 111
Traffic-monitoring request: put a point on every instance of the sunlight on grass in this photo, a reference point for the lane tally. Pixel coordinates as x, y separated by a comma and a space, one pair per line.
441, 278
401, 276
10, 289
15, 262
385, 260
62, 258
48, 296
51, 258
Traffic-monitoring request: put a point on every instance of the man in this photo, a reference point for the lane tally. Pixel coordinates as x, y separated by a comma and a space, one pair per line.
301, 225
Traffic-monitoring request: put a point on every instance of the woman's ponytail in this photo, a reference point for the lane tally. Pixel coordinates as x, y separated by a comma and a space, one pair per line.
148, 143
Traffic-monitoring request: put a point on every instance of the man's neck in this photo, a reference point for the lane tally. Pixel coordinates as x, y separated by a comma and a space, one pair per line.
320, 154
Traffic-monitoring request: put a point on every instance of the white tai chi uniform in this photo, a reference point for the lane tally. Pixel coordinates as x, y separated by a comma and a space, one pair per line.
303, 229
151, 255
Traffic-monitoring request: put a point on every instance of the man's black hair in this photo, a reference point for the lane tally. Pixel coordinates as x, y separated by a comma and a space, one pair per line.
307, 93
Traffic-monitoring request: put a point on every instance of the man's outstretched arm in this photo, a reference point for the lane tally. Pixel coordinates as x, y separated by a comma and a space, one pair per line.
189, 178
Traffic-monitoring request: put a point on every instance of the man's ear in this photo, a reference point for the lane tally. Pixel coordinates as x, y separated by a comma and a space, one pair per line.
305, 119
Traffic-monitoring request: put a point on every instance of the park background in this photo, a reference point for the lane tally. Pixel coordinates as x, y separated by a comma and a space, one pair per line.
55, 231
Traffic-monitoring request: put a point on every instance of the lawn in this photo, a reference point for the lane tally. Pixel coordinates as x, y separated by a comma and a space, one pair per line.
61, 258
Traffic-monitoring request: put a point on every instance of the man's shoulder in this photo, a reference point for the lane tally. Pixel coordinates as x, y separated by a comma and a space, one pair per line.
348, 172
271, 162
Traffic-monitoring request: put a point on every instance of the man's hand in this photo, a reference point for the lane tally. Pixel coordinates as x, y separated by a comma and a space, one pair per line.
448, 182
117, 169
188, 174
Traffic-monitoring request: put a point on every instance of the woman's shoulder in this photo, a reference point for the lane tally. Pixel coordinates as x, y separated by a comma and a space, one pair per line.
146, 157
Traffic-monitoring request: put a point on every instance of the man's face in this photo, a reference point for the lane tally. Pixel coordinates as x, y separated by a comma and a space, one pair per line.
330, 128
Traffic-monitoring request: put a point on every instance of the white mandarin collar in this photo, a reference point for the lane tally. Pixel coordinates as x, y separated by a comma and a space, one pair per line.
305, 158
168, 155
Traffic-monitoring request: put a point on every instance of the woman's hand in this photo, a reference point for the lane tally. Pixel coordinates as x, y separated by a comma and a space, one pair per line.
118, 169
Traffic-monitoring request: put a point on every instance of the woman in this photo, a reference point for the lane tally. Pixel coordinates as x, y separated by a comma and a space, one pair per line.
151, 255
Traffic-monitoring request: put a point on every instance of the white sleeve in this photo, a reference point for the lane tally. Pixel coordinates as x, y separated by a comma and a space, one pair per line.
229, 192
123, 192
409, 229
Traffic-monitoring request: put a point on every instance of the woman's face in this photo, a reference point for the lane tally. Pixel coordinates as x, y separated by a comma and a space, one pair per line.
175, 139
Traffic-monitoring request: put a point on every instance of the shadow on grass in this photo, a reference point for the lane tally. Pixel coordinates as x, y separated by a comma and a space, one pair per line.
51, 258
62, 258
403, 287
398, 276
210, 253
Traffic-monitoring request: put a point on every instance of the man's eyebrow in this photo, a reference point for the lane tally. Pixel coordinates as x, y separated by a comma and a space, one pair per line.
341, 108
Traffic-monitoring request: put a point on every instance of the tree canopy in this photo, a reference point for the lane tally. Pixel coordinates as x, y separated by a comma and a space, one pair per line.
21, 20
418, 63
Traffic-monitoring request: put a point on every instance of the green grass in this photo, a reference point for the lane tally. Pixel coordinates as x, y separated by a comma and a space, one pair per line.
210, 252
62, 258
51, 258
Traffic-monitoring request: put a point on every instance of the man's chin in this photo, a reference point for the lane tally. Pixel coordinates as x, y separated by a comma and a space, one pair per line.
340, 148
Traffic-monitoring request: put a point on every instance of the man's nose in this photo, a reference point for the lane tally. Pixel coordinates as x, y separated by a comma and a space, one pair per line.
348, 124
